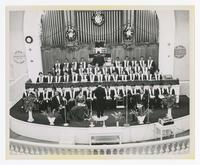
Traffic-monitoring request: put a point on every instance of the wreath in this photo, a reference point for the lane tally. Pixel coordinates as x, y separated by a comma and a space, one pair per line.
98, 18
71, 34
128, 33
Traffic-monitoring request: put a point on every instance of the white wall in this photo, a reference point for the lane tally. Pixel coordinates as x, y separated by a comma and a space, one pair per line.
18, 72
32, 27
166, 40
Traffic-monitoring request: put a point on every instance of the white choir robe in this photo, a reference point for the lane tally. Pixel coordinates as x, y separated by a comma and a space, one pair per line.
105, 70
148, 76
107, 77
112, 69
72, 93
48, 90
57, 65
149, 64
141, 63
128, 69
58, 71
176, 89
96, 69
84, 78
89, 94
66, 65
41, 91
133, 63
120, 70
89, 70
132, 77
80, 70
144, 70
83, 63
124, 77
137, 88
99, 77
49, 79
140, 76
41, 79
74, 64
128, 88
66, 78
117, 63
115, 78
92, 77
157, 87
137, 69
107, 94
165, 87
74, 77
157, 76
151, 93
57, 79
126, 63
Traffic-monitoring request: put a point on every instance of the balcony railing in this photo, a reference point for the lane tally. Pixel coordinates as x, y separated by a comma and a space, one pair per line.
169, 146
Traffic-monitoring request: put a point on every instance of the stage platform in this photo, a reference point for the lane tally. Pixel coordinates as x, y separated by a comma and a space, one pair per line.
183, 110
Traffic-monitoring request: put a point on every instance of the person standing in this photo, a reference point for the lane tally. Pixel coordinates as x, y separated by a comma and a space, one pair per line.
100, 95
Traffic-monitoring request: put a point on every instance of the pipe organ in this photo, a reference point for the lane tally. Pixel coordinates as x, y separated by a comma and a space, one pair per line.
55, 23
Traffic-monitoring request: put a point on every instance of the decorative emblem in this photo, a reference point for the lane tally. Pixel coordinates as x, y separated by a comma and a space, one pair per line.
19, 57
179, 51
98, 18
71, 34
29, 39
128, 33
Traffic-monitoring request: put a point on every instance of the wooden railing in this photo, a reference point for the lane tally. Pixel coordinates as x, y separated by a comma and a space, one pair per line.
170, 146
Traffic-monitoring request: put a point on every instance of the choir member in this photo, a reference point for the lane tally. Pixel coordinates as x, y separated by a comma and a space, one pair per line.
40, 78
84, 77
141, 62
49, 78
114, 76
99, 76
74, 64
65, 77
126, 62
57, 78
157, 75
112, 69
107, 76
137, 68
91, 77
150, 63
96, 69
131, 75
66, 65
81, 69
83, 63
144, 69
123, 76
74, 76
133, 62
117, 62
120, 69
57, 65
104, 69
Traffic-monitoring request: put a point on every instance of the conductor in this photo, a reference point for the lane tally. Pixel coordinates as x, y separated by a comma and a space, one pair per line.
100, 95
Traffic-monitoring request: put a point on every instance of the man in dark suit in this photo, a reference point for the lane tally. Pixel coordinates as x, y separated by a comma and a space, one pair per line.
100, 95
57, 104
98, 59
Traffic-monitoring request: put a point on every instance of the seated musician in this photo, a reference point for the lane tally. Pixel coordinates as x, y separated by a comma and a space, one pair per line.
131, 75
57, 78
40, 78
57, 65
84, 77
113, 96
126, 62
174, 91
141, 62
115, 76
41, 99
123, 76
83, 63
107, 77
117, 62
133, 62
99, 76
74, 64
157, 75
71, 94
65, 77
120, 91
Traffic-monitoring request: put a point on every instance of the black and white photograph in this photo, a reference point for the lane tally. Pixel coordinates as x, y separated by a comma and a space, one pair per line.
100, 82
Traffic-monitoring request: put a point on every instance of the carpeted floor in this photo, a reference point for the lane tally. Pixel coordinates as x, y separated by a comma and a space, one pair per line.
17, 112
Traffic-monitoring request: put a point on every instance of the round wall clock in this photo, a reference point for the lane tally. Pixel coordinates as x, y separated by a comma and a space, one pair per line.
29, 39
98, 18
